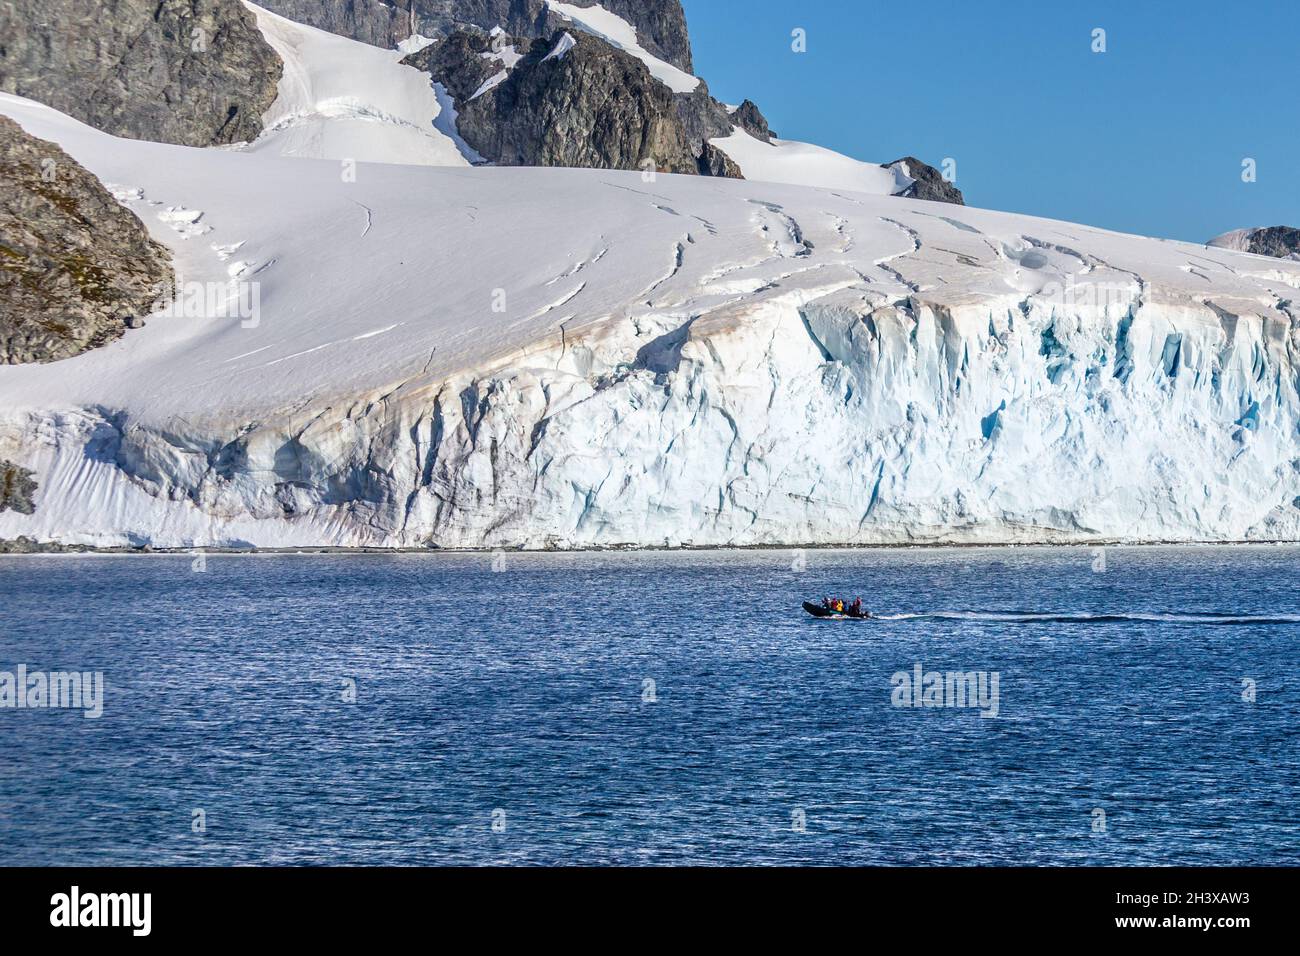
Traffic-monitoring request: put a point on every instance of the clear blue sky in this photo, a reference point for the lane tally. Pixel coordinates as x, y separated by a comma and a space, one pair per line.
1147, 137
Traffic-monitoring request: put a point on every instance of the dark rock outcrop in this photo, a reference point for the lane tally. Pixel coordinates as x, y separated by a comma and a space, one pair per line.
660, 24
1280, 242
76, 267
25, 545
929, 183
751, 119
461, 65
573, 100
703, 118
17, 488
370, 21
714, 162
192, 72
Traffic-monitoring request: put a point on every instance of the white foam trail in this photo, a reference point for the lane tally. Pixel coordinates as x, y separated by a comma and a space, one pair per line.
1017, 617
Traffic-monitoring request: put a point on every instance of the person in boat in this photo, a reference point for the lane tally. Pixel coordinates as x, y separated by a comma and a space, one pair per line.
838, 606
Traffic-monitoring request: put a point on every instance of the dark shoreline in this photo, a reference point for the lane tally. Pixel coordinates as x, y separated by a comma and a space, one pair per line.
22, 547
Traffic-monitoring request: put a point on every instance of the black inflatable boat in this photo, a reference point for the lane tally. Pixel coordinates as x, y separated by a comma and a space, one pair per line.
817, 610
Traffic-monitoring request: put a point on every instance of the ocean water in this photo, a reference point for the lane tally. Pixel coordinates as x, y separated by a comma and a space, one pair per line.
656, 708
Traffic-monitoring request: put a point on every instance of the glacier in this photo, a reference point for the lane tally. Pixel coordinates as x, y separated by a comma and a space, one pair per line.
455, 357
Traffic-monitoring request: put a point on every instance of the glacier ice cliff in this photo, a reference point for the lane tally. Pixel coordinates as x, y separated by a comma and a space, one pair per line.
833, 421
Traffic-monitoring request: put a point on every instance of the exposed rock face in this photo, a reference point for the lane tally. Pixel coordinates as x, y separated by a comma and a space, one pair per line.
660, 24
572, 100
17, 488
192, 72
749, 118
463, 62
76, 267
1278, 241
929, 184
703, 118
714, 162
1281, 242
370, 21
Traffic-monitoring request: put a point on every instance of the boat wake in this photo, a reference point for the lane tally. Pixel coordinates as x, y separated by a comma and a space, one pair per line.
1023, 617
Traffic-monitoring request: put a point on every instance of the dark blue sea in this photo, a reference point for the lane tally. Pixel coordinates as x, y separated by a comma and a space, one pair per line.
656, 708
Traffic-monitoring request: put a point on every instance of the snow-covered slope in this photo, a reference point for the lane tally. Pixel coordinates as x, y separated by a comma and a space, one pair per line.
340, 99
547, 357
803, 164
618, 32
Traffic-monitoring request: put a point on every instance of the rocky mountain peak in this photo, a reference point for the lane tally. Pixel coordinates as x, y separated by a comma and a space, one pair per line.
928, 183
570, 99
751, 119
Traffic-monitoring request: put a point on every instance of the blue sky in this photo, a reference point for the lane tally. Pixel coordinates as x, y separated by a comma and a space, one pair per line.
1148, 137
